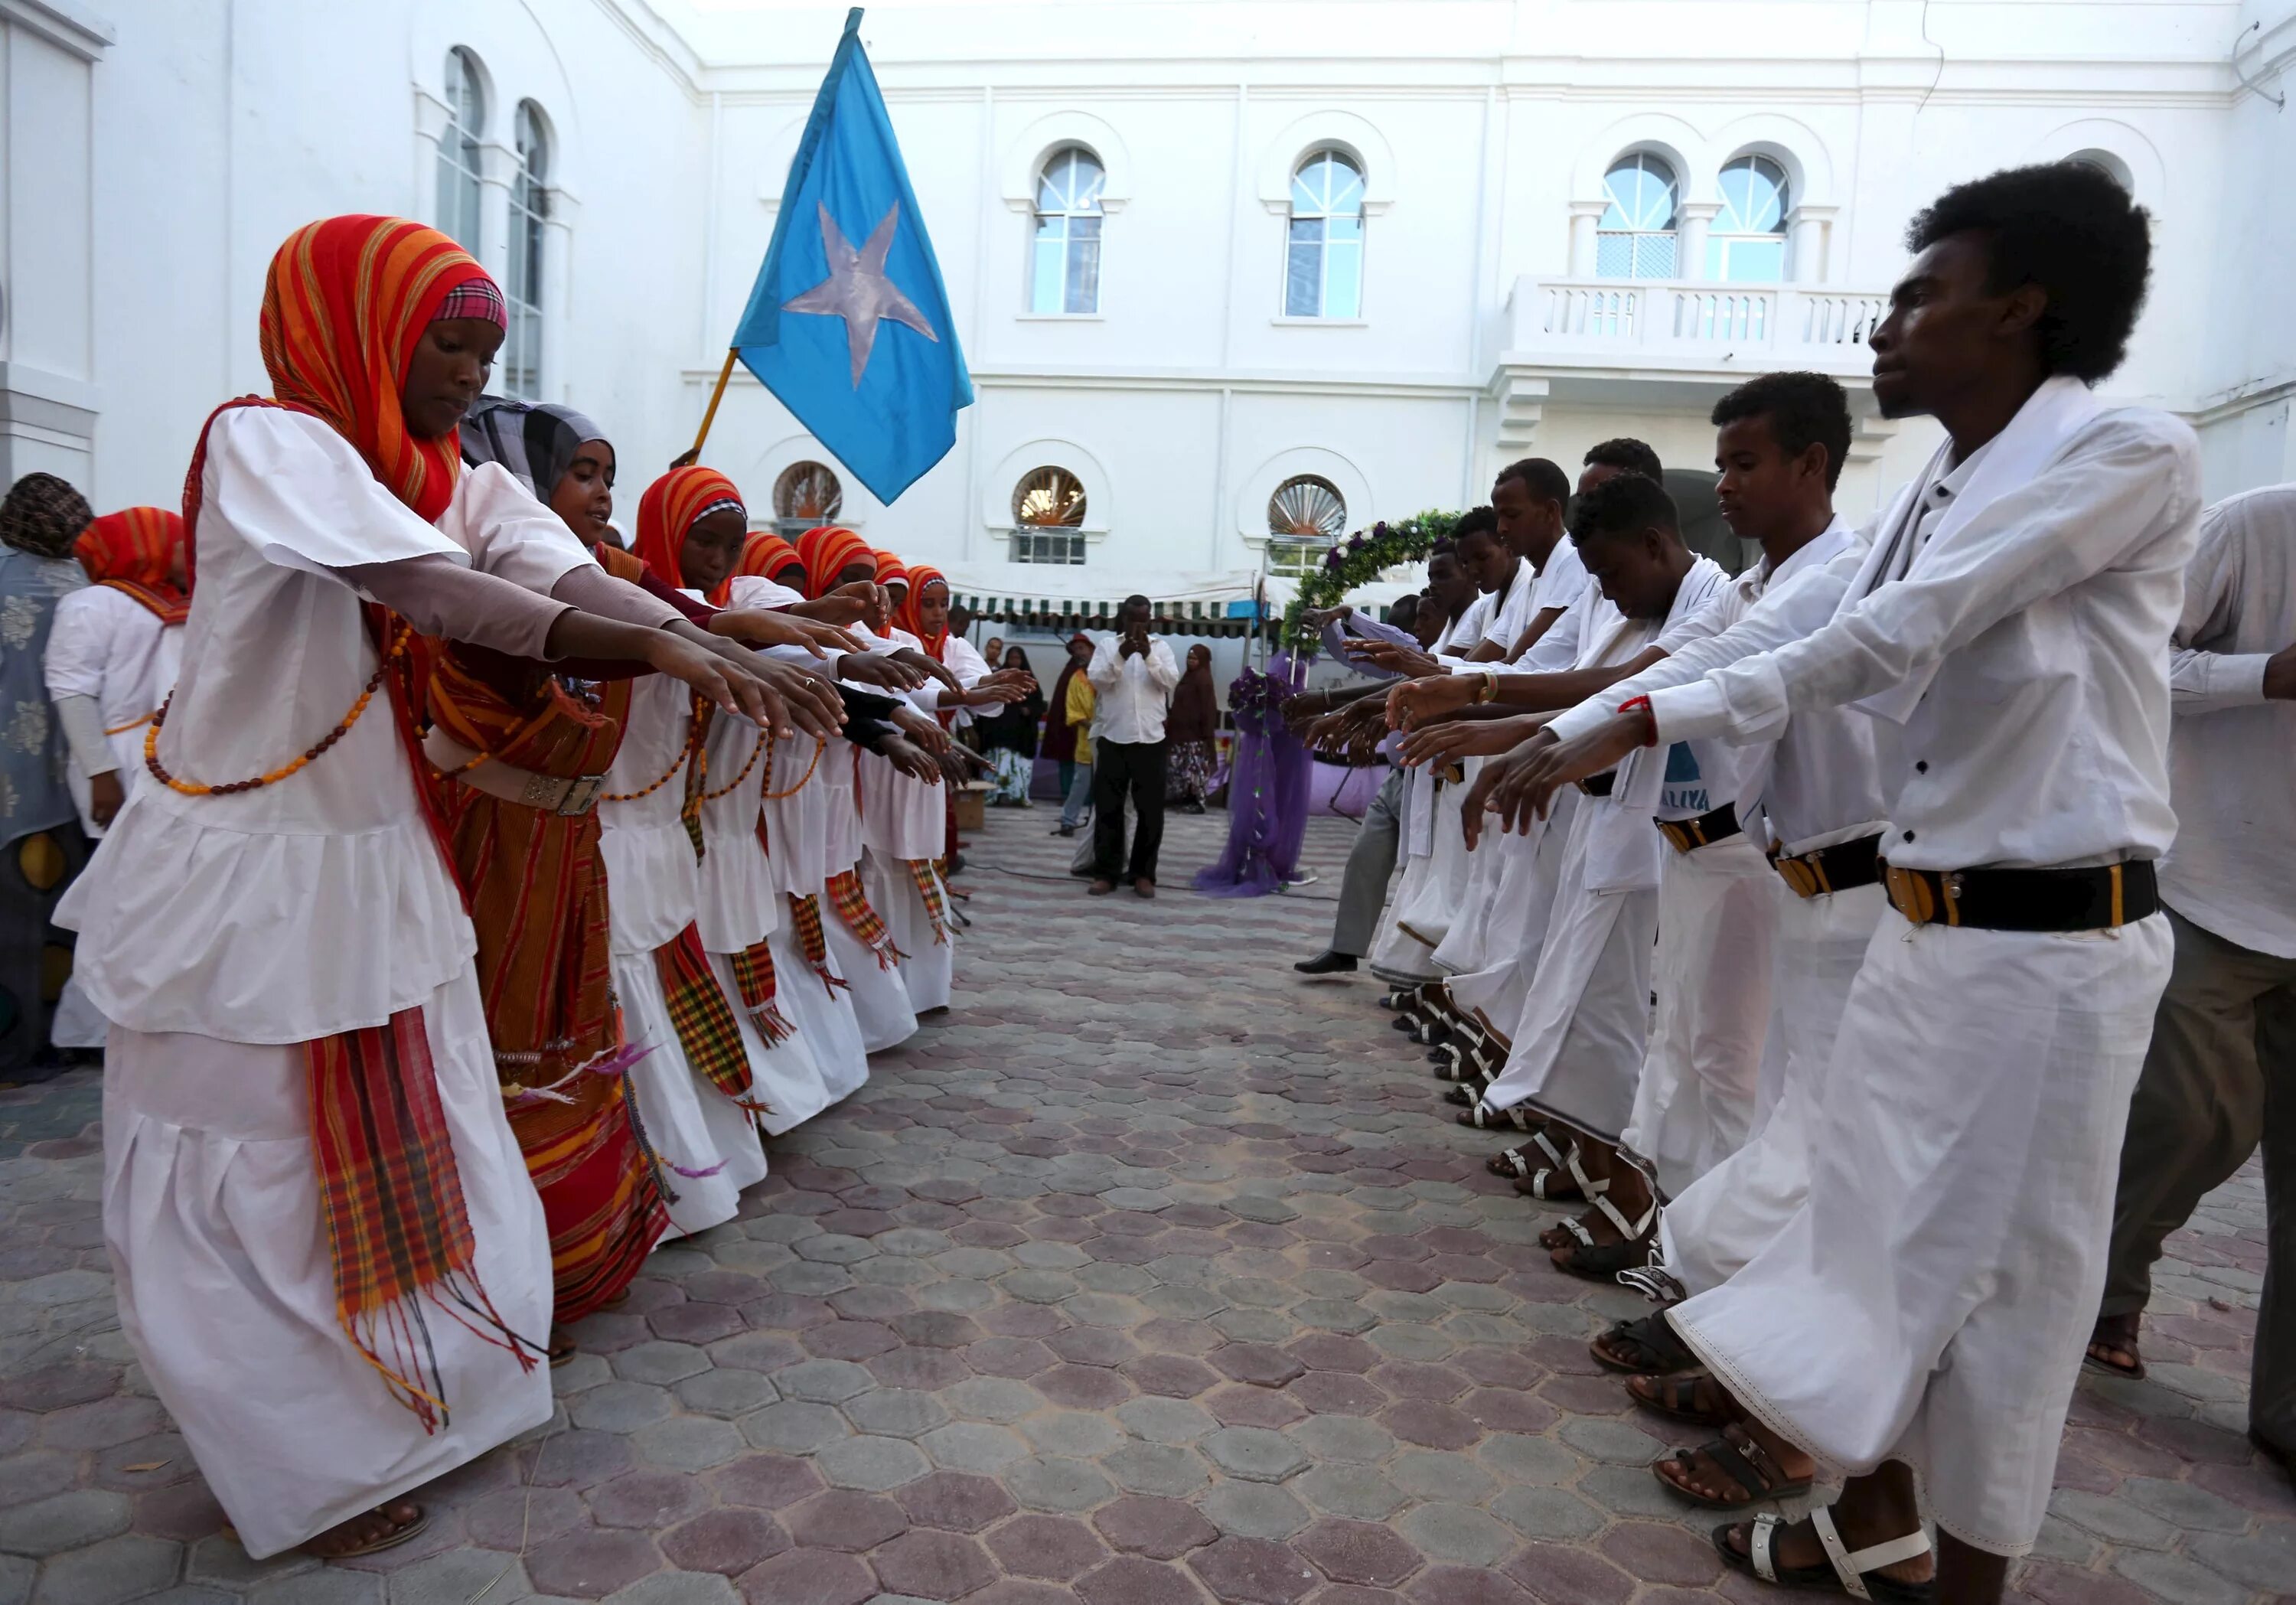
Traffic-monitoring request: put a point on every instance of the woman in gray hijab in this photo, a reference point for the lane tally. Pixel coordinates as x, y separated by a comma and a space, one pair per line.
41, 846
555, 452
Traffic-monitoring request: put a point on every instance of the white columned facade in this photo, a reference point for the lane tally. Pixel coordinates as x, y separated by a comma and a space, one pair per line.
498, 170
557, 263
1584, 215
1810, 230
432, 116
1697, 217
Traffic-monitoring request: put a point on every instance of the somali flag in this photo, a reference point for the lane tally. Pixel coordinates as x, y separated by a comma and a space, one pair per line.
849, 323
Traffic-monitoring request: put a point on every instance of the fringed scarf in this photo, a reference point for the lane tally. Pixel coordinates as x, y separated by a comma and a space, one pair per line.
852, 905
927, 879
398, 1230
706, 1026
805, 914
753, 974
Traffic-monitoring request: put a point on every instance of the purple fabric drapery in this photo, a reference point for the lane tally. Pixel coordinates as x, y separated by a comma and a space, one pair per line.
1267, 788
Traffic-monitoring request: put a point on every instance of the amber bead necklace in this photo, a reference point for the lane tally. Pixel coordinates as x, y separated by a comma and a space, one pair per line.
191, 787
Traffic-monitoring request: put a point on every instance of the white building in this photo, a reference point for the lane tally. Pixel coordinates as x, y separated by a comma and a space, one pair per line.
1222, 268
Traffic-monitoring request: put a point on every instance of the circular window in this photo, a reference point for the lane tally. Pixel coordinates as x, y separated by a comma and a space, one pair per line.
1307, 508
806, 496
1049, 498
2104, 162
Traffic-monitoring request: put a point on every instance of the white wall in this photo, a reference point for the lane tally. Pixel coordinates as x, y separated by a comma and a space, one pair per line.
208, 128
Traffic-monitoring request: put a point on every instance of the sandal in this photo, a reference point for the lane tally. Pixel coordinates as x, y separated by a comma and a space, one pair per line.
1515, 1162
1676, 1397
2116, 1332
1462, 1059
1647, 1348
1845, 1572
1737, 1456
390, 1540
1484, 1117
1602, 1262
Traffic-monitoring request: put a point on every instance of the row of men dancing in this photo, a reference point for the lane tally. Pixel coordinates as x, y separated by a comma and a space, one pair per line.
464, 924
1819, 904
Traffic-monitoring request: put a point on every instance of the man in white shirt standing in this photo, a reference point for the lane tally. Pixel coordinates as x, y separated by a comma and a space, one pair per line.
1922, 1315
2227, 1025
1133, 674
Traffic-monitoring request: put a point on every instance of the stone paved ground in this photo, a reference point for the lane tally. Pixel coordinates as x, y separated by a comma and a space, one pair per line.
1152, 1275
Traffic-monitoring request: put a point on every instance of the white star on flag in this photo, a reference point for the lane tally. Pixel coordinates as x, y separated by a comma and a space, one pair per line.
857, 291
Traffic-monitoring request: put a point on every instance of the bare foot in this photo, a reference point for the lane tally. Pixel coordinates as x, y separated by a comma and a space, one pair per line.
379, 1528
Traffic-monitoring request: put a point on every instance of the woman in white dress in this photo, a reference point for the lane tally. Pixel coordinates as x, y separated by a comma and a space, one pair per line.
329, 1260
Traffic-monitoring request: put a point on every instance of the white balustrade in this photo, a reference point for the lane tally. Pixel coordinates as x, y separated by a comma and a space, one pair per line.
1698, 323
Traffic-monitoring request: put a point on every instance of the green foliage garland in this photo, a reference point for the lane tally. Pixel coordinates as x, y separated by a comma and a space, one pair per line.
1357, 561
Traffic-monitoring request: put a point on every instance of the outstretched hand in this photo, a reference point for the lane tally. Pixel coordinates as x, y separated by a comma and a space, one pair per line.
883, 670
759, 626
778, 696
1424, 700
1455, 739
1393, 658
1555, 765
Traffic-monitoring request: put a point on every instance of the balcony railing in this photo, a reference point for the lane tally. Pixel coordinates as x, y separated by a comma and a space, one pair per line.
1659, 317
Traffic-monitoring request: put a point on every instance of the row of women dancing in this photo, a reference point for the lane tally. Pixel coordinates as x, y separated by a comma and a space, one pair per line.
473, 895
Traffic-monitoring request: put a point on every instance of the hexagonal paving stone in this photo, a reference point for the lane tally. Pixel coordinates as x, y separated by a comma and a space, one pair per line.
929, 1565
1058, 1547
1158, 1529
1054, 1483
1255, 1509
1255, 1452
1258, 1571
1359, 1551
1130, 1580
871, 1464
808, 1576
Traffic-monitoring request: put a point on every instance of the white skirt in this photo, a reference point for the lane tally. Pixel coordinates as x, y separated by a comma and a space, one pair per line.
1727, 1215
881, 1003
928, 967
1520, 906
1929, 1300
822, 1015
226, 1289
689, 1124
782, 1074
1694, 1103
1578, 1046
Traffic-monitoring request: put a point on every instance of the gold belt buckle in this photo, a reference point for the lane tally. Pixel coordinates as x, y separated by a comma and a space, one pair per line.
1910, 894
1798, 874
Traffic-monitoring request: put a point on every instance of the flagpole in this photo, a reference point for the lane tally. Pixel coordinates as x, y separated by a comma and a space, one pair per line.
688, 458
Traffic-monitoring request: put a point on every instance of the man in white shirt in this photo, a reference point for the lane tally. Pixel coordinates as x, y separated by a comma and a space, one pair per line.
2226, 1028
1133, 674
1922, 1315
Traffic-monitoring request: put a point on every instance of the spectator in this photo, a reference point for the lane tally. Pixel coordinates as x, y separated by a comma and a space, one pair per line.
1008, 738
1133, 674
1074, 707
1192, 730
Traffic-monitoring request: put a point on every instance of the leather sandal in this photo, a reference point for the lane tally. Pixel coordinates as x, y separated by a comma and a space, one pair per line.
1738, 1457
1854, 1573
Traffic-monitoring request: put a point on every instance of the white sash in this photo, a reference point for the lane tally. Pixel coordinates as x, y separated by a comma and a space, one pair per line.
2043, 426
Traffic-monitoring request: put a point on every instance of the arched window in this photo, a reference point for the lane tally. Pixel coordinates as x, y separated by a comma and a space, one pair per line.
2104, 162
806, 496
1066, 275
519, 367
1747, 244
458, 149
1636, 240
1323, 268
1047, 516
1305, 516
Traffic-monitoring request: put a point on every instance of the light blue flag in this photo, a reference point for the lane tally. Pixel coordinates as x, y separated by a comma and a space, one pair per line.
849, 323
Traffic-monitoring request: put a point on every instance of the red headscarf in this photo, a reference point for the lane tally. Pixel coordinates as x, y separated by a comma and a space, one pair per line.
666, 513
890, 569
909, 618
766, 554
134, 552
827, 552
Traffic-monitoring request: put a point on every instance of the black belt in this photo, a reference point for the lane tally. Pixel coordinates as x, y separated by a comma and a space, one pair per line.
1599, 785
1689, 835
2102, 898
1844, 865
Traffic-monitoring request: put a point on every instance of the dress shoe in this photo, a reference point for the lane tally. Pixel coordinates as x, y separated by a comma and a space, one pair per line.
1144, 887
1327, 962
1100, 889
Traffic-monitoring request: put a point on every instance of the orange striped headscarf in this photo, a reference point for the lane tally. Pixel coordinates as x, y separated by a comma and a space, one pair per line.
134, 551
766, 554
667, 513
343, 306
910, 618
827, 552
890, 569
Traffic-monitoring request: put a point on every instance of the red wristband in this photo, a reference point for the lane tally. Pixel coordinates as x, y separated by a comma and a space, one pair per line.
1641, 705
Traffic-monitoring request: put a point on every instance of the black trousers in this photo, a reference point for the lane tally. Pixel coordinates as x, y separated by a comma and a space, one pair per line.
1118, 768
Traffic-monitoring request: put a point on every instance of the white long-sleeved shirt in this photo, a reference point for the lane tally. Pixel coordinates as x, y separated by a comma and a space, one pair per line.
1825, 783
1134, 692
2037, 626
2232, 755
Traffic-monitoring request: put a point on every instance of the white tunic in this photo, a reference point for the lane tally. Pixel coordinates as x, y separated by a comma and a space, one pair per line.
222, 932
107, 645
